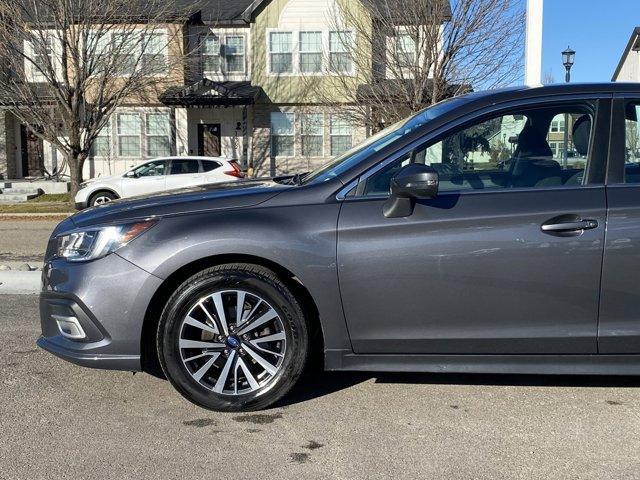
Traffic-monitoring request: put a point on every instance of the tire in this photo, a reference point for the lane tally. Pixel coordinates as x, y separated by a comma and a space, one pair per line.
250, 383
100, 198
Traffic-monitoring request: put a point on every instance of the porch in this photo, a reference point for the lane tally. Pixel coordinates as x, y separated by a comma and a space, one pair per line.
214, 119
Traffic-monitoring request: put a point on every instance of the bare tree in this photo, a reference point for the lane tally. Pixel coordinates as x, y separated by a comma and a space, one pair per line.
632, 140
408, 54
70, 63
549, 78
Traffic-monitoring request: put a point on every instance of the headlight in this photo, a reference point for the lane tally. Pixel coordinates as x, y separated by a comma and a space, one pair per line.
85, 245
83, 185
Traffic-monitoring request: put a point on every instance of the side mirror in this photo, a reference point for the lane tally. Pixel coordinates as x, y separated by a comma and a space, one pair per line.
415, 181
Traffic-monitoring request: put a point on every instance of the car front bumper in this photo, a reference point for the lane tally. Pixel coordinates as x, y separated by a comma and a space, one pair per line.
104, 302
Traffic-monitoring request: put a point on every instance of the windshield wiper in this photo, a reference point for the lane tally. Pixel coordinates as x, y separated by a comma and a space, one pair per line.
296, 179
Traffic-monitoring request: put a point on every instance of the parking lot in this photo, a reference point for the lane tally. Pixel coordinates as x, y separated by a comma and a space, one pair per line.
62, 421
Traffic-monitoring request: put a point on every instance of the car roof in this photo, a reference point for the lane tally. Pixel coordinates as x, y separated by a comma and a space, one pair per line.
189, 157
519, 92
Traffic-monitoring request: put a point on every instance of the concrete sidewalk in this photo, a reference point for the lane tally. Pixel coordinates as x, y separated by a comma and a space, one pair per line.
21, 283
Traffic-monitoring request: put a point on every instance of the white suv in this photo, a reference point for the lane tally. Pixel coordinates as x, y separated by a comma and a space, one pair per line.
158, 175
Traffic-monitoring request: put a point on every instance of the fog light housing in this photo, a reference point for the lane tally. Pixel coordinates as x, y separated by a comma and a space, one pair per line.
70, 327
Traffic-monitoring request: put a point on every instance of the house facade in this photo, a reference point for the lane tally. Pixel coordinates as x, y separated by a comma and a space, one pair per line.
245, 95
628, 69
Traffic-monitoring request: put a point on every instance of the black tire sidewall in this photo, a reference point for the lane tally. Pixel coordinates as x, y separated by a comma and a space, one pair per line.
276, 294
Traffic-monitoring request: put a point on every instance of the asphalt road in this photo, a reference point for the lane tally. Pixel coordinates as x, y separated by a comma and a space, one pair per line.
24, 241
62, 421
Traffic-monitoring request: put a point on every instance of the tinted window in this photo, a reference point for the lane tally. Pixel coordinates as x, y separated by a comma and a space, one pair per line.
632, 144
524, 150
208, 165
151, 169
180, 167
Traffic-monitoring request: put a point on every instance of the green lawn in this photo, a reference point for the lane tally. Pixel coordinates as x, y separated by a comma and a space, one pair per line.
51, 203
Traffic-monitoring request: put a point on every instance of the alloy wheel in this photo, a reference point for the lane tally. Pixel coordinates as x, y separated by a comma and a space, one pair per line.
232, 342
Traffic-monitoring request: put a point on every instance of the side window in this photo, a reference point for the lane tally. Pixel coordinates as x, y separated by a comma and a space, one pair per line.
151, 169
181, 167
632, 144
208, 166
520, 150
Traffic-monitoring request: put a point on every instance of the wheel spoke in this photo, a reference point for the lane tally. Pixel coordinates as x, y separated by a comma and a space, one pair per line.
271, 369
202, 326
249, 315
253, 324
250, 378
217, 300
222, 379
199, 344
205, 354
269, 338
239, 307
209, 316
206, 367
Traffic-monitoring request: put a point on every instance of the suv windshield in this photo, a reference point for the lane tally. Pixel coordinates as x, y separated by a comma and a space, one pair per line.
380, 140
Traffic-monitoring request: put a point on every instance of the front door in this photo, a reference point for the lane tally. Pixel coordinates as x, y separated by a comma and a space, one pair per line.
505, 260
32, 153
209, 144
150, 177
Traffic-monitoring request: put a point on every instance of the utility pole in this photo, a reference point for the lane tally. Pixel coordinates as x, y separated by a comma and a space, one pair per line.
533, 44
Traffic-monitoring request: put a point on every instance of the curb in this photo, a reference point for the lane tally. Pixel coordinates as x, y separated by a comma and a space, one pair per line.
39, 214
20, 283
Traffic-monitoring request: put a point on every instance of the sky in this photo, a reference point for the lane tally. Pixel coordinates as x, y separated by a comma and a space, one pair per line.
598, 30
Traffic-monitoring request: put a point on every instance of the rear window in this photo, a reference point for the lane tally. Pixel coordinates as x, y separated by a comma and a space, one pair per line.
179, 167
208, 165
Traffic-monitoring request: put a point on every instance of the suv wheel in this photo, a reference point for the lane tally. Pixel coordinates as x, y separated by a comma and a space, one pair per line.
233, 338
101, 198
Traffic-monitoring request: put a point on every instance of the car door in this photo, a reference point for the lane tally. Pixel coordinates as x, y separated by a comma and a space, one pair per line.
505, 260
149, 177
184, 172
619, 327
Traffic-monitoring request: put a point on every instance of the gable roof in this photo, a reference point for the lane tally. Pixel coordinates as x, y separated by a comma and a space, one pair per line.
224, 11
632, 46
378, 5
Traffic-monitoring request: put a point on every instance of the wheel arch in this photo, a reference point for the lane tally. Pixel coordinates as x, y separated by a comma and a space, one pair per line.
148, 349
102, 189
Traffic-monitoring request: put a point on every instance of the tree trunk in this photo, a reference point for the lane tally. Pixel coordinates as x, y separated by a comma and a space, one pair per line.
76, 164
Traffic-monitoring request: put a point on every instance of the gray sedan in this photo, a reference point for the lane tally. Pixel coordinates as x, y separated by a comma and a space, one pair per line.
466, 238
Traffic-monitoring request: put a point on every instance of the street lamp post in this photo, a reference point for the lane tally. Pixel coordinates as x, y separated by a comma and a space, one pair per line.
568, 57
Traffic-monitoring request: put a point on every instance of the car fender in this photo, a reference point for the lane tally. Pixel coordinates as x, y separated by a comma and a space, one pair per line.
300, 239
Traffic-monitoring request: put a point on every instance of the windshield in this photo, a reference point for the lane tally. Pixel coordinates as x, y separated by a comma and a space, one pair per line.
380, 140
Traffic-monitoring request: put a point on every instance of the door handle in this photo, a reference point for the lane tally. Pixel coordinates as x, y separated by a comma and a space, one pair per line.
568, 226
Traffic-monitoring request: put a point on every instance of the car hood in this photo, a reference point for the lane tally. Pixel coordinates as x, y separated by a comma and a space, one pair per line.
242, 194
109, 178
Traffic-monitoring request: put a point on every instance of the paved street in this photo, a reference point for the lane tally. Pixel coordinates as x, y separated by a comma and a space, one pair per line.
24, 241
62, 421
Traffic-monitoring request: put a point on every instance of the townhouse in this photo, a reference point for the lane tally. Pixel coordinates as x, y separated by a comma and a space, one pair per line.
244, 95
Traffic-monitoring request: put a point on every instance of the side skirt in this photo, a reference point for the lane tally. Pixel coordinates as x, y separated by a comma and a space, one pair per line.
518, 364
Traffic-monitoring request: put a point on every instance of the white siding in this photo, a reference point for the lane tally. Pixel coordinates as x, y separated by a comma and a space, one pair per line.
630, 71
309, 14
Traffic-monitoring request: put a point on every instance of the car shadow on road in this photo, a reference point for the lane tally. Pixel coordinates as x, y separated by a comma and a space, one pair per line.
318, 384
